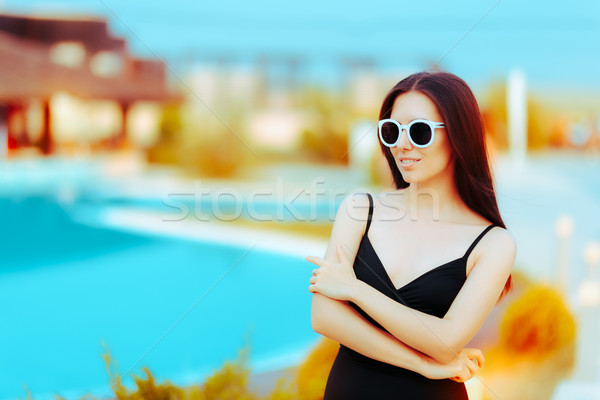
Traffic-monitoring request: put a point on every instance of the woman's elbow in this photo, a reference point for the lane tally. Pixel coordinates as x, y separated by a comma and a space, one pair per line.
316, 322
318, 318
444, 356
445, 351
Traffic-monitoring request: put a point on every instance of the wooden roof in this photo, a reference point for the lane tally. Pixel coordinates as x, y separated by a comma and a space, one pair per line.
26, 71
91, 31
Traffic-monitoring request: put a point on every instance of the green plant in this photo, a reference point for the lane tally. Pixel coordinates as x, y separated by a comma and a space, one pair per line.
230, 382
147, 389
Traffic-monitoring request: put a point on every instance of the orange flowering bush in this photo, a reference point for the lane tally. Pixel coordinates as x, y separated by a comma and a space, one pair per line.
537, 324
536, 347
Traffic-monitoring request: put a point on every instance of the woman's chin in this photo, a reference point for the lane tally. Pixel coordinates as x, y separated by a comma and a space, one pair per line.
408, 175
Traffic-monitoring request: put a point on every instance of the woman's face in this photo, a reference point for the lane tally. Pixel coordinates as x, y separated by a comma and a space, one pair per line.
432, 160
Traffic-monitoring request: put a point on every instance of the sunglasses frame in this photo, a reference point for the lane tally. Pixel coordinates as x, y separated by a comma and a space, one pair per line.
432, 126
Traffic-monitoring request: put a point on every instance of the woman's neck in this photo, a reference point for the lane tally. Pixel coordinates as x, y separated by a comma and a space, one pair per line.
435, 199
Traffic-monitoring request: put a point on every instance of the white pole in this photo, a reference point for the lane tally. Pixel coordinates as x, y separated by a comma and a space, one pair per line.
516, 97
361, 148
564, 227
588, 346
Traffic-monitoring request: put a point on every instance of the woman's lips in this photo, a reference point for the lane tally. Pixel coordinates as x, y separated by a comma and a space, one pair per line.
408, 162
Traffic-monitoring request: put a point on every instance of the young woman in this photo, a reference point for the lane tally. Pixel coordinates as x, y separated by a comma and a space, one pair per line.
410, 275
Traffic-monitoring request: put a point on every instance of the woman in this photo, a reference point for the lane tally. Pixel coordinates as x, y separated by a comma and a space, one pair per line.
410, 275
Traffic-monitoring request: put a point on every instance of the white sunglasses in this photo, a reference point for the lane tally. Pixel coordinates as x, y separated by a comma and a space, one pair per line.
420, 132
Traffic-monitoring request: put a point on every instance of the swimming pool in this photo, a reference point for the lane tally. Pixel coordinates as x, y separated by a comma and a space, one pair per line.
66, 288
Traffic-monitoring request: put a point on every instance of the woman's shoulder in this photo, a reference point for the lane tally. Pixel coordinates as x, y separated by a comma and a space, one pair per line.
498, 240
495, 237
357, 200
502, 236
351, 220
354, 209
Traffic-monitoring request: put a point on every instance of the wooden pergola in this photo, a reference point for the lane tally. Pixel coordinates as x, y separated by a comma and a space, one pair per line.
28, 73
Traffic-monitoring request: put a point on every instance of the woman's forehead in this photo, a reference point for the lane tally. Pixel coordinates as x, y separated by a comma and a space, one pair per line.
414, 105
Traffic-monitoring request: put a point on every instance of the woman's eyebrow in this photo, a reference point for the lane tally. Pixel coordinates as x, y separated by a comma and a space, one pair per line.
412, 119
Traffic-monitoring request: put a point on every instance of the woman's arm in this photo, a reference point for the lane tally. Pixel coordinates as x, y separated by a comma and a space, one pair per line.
346, 326
442, 338
339, 321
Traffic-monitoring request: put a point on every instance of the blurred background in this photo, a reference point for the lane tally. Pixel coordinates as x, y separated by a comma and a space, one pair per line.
166, 167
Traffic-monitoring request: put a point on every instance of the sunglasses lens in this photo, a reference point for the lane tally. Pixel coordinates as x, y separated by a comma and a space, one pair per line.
420, 133
389, 133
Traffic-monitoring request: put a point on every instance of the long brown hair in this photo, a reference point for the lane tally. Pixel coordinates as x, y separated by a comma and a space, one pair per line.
458, 107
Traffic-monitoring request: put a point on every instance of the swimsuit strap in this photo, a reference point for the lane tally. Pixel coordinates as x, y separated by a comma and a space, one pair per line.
478, 239
370, 212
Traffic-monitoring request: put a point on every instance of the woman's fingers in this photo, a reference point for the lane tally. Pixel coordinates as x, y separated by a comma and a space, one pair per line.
315, 260
318, 261
473, 368
469, 361
475, 355
468, 367
341, 254
463, 374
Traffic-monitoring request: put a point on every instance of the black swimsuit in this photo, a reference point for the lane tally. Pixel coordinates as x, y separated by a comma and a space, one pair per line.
354, 376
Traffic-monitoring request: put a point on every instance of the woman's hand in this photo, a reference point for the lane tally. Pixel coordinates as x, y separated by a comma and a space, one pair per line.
461, 369
334, 280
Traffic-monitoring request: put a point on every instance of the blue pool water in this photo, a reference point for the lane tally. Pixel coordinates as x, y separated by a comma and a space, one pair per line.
66, 288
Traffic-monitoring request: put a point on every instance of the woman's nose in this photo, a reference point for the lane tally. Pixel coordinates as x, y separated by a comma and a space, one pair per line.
404, 142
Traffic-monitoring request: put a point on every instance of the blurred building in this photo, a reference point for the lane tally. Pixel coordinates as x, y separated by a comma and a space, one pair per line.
42, 57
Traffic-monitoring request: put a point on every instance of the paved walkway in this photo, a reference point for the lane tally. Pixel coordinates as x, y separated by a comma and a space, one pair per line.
152, 222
